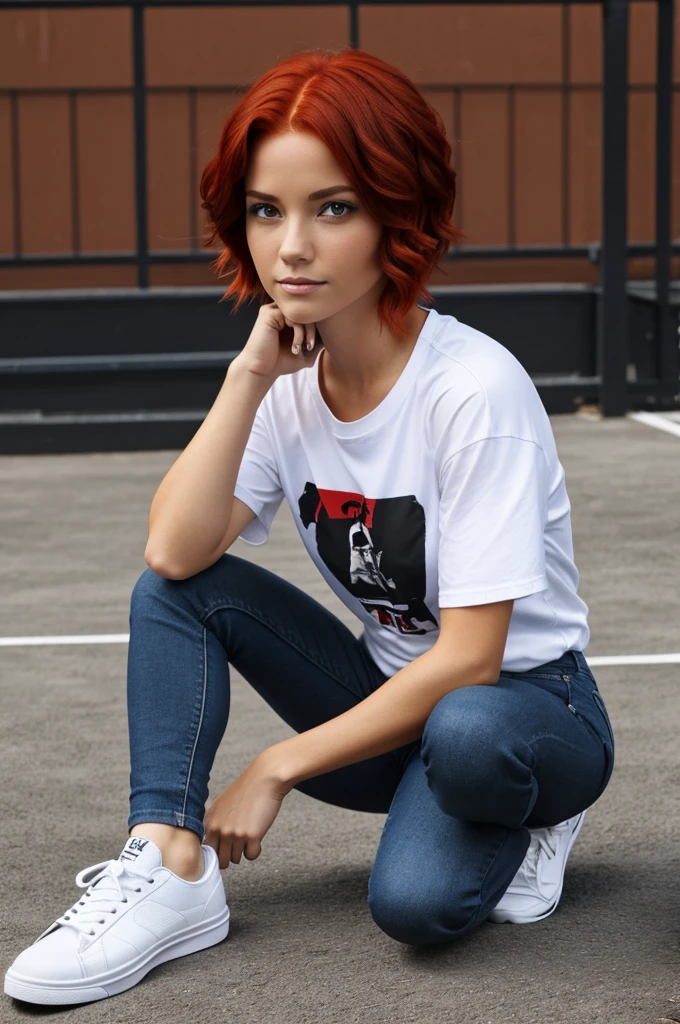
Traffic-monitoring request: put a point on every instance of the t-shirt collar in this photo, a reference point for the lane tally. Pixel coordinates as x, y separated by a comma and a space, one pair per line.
392, 401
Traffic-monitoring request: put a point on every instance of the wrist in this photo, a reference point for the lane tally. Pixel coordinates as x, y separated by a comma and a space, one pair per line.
238, 368
277, 766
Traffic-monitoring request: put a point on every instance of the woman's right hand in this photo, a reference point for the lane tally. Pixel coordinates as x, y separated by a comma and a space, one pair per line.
270, 351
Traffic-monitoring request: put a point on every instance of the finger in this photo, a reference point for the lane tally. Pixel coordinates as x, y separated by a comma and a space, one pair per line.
237, 850
289, 323
298, 336
253, 849
310, 332
224, 854
227, 847
276, 317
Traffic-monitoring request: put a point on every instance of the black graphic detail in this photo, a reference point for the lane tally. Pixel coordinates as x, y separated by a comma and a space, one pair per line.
375, 547
133, 848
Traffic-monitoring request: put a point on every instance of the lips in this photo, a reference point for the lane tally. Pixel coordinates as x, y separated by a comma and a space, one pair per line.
301, 289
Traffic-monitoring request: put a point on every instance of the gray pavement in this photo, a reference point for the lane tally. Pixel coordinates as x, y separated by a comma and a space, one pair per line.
302, 946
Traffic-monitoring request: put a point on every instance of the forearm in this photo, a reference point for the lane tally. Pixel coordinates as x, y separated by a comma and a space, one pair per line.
190, 511
392, 716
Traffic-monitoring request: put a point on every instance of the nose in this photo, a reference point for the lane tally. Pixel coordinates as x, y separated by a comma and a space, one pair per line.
296, 244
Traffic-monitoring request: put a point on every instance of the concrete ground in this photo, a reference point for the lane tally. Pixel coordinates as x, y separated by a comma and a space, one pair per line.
303, 947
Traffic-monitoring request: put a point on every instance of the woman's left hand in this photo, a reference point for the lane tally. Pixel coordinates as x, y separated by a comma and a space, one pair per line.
239, 818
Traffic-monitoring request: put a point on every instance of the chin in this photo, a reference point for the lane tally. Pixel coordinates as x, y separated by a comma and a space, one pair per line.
308, 314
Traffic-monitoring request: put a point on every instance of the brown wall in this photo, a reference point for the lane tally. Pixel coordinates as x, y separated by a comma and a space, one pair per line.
75, 146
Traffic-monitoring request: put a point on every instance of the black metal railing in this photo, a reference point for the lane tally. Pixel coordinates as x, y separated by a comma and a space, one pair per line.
143, 256
610, 251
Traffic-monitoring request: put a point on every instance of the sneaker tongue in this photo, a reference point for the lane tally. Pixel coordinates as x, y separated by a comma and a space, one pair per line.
140, 856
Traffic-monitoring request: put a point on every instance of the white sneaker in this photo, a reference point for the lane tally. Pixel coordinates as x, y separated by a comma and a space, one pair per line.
135, 915
536, 888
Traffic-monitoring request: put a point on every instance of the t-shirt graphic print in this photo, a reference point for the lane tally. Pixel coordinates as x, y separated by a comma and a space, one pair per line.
448, 494
375, 548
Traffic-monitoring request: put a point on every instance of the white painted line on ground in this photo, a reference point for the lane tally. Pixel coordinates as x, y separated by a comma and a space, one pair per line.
635, 659
658, 420
123, 638
46, 641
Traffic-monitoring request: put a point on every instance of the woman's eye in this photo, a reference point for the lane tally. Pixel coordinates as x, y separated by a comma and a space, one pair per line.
261, 206
265, 206
338, 203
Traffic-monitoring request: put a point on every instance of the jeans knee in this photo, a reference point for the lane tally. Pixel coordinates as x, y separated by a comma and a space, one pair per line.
416, 926
151, 585
464, 751
414, 919
397, 915
152, 591
461, 732
148, 585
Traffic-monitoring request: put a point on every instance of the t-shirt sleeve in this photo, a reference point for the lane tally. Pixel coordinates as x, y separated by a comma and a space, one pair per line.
258, 484
492, 516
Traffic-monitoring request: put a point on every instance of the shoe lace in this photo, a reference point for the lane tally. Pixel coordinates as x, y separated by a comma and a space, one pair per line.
543, 840
105, 884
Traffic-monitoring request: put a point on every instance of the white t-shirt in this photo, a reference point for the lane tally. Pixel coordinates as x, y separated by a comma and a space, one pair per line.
449, 493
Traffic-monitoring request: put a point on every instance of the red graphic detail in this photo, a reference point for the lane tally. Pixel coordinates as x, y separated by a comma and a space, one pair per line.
333, 501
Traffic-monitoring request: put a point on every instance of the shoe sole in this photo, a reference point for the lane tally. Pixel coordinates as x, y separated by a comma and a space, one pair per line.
508, 917
88, 990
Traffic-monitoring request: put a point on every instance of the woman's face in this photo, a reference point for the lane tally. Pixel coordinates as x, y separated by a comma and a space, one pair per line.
330, 239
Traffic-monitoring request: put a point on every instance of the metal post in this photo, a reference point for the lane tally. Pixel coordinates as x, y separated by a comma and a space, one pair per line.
565, 122
512, 177
666, 334
612, 342
75, 176
16, 171
140, 146
354, 24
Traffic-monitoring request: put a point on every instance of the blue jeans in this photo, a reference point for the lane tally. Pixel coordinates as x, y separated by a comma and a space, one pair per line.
494, 760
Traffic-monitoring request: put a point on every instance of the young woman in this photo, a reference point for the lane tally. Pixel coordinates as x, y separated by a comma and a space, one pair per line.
421, 470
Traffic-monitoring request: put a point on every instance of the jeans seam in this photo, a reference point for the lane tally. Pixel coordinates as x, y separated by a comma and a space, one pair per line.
591, 729
249, 610
556, 678
473, 919
198, 728
599, 703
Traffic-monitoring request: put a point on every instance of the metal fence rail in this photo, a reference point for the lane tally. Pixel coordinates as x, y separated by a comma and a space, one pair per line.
611, 251
197, 253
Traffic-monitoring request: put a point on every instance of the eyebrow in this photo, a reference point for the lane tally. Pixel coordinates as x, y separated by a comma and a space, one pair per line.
323, 193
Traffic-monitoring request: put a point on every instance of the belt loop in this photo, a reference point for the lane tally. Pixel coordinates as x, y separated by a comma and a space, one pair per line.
575, 656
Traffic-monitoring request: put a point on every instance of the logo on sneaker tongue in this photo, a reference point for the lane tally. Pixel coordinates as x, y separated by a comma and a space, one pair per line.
133, 848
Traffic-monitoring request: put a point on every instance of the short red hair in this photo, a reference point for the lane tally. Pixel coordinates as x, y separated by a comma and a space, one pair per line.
387, 138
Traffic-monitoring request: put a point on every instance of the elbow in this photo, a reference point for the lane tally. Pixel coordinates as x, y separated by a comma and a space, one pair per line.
162, 567
165, 567
488, 675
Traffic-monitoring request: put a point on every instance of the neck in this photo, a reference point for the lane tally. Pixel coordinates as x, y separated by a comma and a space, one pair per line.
352, 391
361, 361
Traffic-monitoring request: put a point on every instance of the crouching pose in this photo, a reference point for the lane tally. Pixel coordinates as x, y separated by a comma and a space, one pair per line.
421, 470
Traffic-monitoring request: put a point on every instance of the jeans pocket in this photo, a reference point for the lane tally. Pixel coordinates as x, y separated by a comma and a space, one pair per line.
550, 683
608, 768
597, 697
597, 720
554, 677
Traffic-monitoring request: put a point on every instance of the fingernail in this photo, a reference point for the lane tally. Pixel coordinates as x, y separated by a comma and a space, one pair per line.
296, 349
